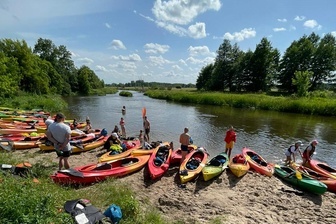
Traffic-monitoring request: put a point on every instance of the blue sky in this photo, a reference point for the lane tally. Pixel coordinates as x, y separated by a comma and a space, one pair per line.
161, 41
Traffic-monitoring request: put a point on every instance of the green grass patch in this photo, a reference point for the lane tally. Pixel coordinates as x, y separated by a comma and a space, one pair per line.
315, 104
24, 201
50, 103
125, 93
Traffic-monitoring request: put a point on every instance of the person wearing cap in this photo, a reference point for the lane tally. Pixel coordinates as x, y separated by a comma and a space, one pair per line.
309, 152
291, 151
112, 140
60, 134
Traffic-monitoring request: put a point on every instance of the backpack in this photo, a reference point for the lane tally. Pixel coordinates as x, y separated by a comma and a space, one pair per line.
83, 212
114, 213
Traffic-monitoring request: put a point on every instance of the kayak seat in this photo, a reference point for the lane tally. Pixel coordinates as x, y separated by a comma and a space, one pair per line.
105, 166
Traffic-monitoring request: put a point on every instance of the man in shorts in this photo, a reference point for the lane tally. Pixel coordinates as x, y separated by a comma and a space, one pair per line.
185, 141
60, 134
146, 125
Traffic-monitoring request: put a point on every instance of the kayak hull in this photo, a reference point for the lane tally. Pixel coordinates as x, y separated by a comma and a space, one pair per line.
215, 166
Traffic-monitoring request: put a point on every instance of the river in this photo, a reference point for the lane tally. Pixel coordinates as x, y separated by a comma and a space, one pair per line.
266, 132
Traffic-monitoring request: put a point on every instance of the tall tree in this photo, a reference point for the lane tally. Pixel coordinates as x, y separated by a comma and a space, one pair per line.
264, 64
204, 78
324, 61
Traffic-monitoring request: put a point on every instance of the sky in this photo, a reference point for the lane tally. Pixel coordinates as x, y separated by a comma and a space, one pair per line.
161, 40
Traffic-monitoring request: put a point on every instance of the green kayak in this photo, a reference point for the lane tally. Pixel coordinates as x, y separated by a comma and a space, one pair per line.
215, 166
300, 180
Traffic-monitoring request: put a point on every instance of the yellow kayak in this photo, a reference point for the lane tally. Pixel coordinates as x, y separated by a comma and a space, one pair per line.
239, 165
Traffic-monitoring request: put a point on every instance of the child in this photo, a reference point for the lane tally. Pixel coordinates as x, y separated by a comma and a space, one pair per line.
230, 139
141, 138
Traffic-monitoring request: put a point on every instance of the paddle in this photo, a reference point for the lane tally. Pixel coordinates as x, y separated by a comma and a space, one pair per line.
297, 173
144, 111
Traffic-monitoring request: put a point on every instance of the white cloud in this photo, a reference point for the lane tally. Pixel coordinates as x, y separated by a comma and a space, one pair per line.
279, 29
158, 60
292, 27
108, 25
333, 33
197, 30
240, 36
183, 62
200, 62
153, 48
117, 44
132, 57
177, 67
199, 50
299, 18
282, 20
85, 60
312, 24
101, 68
182, 12
172, 28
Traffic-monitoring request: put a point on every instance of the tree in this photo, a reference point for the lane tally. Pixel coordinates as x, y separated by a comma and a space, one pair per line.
302, 81
264, 64
324, 61
9, 76
204, 78
83, 80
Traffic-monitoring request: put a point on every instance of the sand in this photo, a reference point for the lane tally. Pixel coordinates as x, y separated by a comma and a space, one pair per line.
251, 199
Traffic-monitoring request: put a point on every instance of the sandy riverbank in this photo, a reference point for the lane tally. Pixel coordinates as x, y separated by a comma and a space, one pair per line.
250, 199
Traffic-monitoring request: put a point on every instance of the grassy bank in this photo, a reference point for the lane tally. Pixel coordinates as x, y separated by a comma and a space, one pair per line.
50, 103
315, 105
24, 201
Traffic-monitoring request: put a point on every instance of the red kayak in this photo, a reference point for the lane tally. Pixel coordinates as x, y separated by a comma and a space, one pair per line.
177, 154
159, 161
323, 168
257, 162
98, 172
330, 182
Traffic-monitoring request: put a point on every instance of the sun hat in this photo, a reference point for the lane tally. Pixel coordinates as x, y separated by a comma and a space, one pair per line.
315, 141
298, 143
114, 135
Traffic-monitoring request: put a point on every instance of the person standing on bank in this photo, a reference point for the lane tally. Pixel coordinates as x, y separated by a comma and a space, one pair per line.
230, 139
185, 141
122, 127
146, 125
60, 134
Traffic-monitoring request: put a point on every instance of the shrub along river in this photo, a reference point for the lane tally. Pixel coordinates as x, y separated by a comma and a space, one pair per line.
266, 132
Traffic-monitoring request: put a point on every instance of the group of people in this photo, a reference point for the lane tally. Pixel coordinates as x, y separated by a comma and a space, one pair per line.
59, 134
290, 153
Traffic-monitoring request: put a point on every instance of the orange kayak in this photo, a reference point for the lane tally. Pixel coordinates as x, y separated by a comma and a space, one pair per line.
257, 163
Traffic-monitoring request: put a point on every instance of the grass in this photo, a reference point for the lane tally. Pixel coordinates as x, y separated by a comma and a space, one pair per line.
314, 105
24, 201
125, 93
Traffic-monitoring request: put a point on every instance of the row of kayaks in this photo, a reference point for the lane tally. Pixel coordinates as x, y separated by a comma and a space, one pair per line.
316, 177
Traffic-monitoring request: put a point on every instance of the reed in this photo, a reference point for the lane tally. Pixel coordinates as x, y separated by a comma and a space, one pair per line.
314, 104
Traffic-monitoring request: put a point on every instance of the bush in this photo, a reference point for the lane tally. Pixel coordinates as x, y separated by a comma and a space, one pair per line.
125, 93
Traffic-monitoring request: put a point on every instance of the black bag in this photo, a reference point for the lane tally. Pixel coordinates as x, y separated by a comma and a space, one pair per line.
83, 212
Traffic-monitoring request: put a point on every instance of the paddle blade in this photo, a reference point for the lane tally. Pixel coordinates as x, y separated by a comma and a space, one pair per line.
298, 175
144, 111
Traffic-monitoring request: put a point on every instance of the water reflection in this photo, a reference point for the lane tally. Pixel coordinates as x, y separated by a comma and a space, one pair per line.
268, 133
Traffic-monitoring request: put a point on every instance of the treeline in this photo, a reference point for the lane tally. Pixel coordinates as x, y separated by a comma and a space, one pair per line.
46, 69
142, 83
307, 64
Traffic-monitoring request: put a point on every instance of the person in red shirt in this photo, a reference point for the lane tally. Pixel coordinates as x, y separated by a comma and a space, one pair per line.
230, 139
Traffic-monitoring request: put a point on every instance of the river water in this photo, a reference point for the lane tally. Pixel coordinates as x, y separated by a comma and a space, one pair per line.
266, 132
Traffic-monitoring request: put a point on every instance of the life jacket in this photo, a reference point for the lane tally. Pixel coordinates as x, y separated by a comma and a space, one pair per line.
82, 211
311, 152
